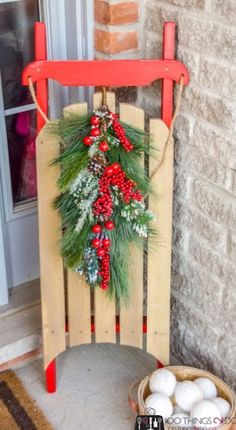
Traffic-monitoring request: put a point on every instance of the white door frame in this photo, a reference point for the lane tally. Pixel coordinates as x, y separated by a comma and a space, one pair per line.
4, 276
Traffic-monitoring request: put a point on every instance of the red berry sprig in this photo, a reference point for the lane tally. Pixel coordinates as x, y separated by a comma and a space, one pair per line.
102, 245
113, 175
94, 132
120, 134
105, 271
103, 209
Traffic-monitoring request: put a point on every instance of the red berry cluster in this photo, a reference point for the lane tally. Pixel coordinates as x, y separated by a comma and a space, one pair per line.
103, 206
114, 175
102, 246
105, 271
120, 134
94, 132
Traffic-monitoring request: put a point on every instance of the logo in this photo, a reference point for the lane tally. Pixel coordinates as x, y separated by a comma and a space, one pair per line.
149, 422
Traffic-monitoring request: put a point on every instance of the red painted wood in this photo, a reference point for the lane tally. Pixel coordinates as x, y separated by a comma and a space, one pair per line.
41, 86
50, 373
117, 325
105, 73
159, 365
167, 85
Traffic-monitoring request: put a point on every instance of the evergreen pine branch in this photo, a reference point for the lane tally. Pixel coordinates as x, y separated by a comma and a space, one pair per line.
76, 208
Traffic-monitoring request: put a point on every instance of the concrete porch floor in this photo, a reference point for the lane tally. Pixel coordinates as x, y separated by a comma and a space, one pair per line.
92, 386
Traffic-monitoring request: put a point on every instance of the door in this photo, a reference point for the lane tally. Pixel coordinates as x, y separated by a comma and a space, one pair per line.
19, 256
17, 148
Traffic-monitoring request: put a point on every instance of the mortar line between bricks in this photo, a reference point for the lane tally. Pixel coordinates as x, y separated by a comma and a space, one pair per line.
116, 28
185, 300
199, 118
206, 56
156, 36
196, 13
193, 205
206, 18
130, 54
218, 61
222, 193
195, 263
208, 92
210, 126
206, 243
222, 186
119, 1
218, 260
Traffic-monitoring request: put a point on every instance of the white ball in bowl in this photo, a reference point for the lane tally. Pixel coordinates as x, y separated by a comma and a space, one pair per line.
205, 414
207, 388
163, 381
178, 420
223, 406
159, 404
186, 394
177, 409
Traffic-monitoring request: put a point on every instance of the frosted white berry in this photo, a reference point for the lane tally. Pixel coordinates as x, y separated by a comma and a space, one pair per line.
223, 406
159, 404
186, 394
179, 420
205, 414
207, 388
163, 381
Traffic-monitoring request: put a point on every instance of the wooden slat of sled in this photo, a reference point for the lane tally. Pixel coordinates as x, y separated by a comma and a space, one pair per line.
131, 317
79, 306
159, 258
51, 264
105, 309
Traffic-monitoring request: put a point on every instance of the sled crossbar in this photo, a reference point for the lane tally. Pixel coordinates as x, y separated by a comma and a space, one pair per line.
116, 73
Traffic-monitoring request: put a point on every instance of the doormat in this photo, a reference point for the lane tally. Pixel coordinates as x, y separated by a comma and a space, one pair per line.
18, 411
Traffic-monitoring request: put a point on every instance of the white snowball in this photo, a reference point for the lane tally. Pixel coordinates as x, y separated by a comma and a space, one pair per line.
179, 420
163, 381
186, 394
177, 409
205, 414
223, 406
207, 388
160, 404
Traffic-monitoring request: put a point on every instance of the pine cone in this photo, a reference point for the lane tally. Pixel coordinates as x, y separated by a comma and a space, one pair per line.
97, 164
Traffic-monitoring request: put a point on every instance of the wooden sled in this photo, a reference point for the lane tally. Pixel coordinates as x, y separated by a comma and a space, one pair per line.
66, 299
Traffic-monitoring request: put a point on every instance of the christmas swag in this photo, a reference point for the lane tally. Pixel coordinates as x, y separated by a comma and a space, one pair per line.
102, 187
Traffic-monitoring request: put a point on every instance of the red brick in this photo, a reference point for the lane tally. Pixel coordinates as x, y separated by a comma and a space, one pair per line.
115, 42
102, 12
116, 14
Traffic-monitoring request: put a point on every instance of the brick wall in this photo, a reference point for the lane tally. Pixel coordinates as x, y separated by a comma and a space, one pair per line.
117, 27
204, 236
204, 240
